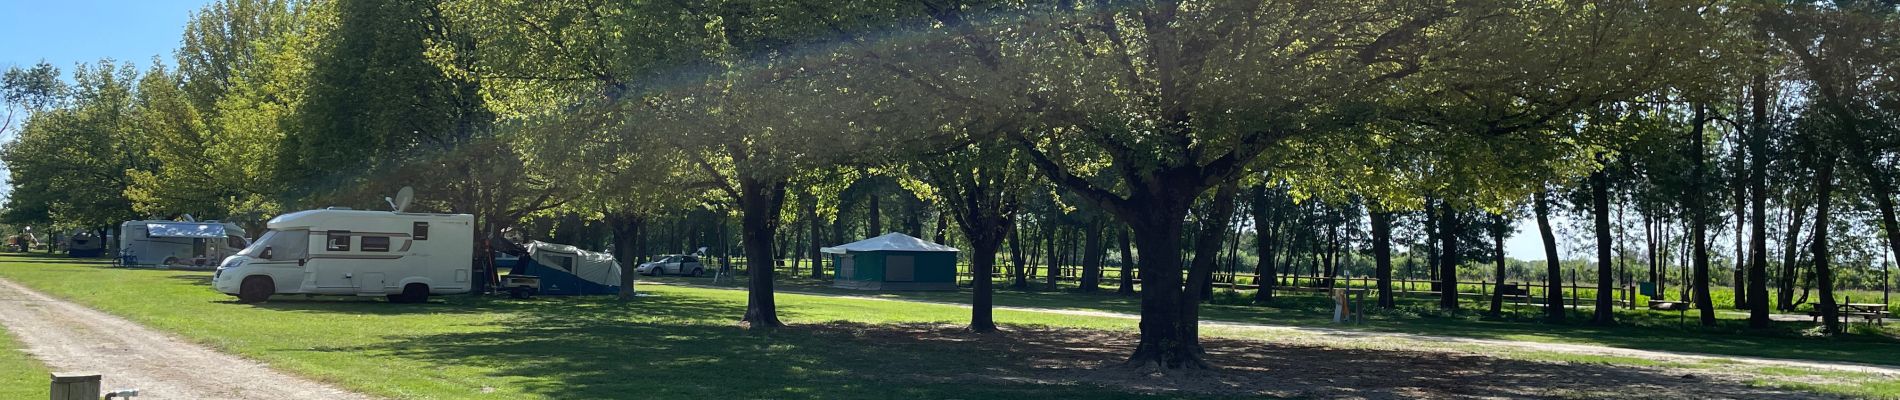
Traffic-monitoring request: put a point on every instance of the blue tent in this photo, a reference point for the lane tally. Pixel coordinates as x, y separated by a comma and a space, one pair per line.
565, 270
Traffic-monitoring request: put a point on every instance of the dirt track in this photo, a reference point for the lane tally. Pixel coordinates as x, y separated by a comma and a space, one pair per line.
70, 337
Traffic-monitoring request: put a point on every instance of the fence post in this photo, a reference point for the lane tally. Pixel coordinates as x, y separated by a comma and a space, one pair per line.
75, 386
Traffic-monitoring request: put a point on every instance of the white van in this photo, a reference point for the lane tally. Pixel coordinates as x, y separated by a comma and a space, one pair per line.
404, 256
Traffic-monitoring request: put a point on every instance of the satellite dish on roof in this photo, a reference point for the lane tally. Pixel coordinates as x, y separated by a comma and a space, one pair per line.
402, 200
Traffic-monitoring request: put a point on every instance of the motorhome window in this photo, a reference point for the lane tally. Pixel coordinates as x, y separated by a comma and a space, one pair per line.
286, 245
376, 243
235, 241
339, 241
421, 231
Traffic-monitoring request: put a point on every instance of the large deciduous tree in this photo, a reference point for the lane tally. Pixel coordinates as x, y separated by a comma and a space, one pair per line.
979, 186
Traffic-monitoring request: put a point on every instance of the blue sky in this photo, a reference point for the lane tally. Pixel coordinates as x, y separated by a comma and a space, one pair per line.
65, 32
68, 32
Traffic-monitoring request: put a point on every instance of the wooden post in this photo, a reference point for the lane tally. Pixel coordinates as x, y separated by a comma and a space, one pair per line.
75, 386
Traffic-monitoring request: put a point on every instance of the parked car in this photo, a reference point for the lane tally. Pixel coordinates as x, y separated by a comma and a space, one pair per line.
674, 264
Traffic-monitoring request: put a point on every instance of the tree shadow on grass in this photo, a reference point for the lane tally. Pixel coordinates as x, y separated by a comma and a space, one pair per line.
686, 347
1638, 329
203, 280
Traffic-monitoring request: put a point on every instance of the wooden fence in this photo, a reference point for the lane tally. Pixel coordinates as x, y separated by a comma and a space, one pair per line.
1534, 292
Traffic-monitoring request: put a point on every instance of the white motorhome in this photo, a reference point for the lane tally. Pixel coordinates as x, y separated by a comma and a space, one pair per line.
403, 256
178, 243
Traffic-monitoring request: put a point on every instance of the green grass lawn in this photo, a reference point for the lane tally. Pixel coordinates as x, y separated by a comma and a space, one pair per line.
1640, 328
682, 342
675, 343
21, 377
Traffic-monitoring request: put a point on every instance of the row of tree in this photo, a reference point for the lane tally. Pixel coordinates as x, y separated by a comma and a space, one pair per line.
1013, 120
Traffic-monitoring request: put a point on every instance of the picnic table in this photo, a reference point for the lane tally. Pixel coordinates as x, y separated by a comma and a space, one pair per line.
1871, 312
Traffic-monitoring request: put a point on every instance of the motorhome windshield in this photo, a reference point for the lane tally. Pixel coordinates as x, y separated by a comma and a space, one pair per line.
284, 245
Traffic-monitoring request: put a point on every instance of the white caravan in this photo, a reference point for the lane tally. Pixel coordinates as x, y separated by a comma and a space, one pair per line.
178, 243
404, 256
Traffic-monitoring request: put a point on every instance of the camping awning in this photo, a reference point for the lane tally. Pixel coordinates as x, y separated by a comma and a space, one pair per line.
590, 256
185, 230
890, 242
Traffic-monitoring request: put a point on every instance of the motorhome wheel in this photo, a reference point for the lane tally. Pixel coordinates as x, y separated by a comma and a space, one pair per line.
414, 293
255, 289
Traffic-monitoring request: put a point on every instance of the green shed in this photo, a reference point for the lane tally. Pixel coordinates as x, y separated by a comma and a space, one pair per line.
894, 261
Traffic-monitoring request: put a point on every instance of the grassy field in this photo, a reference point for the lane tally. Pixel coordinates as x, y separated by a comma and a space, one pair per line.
681, 342
1640, 328
21, 377
675, 343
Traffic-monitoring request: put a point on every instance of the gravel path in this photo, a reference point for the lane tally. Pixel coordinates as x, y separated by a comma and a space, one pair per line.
70, 337
1351, 334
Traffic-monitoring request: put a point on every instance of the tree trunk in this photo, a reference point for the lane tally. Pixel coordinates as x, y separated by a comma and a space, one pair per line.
1652, 234
874, 222
943, 229
1699, 215
760, 201
626, 230
1431, 244
1092, 250
1169, 334
1600, 199
1739, 282
1128, 264
982, 268
1823, 270
1049, 269
789, 248
1623, 253
1448, 228
1382, 256
1554, 294
1017, 255
1170, 314
1790, 255
813, 248
1497, 238
1207, 242
1758, 317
